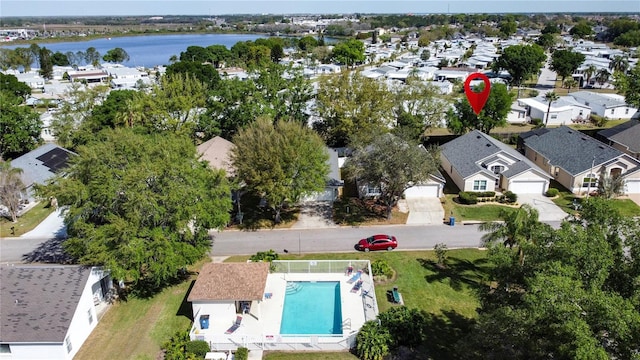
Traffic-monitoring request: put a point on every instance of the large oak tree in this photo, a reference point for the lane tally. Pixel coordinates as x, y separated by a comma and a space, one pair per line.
280, 163
141, 205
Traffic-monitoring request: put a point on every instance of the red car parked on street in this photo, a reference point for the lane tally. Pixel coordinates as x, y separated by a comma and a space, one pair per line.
377, 242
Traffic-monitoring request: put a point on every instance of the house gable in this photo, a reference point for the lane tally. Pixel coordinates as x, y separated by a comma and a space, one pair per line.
624, 137
476, 156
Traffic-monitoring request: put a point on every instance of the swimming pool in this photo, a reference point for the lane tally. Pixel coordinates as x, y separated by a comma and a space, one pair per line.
312, 308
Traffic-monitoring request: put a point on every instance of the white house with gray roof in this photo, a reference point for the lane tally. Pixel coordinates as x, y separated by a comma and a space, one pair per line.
610, 106
576, 160
565, 110
48, 311
478, 162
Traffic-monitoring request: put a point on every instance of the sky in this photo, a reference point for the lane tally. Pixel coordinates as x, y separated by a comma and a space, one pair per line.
212, 8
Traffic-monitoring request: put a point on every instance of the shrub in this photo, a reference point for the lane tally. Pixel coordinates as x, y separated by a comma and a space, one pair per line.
381, 268
373, 341
488, 194
241, 354
467, 198
264, 256
552, 192
406, 326
537, 123
510, 197
441, 252
598, 121
200, 348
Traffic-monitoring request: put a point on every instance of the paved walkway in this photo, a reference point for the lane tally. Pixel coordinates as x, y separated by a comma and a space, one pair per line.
51, 227
547, 209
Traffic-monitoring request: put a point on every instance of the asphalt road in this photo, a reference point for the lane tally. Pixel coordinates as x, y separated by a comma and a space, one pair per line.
342, 239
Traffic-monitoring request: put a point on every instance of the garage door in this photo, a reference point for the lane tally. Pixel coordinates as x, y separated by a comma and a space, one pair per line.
422, 191
527, 187
632, 187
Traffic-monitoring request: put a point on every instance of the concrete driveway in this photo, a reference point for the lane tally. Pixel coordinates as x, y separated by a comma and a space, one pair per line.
424, 211
315, 215
547, 209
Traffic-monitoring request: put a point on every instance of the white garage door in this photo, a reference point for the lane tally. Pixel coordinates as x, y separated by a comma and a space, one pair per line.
527, 187
421, 191
632, 187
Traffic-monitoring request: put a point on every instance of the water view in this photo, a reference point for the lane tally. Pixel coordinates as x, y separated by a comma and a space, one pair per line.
150, 50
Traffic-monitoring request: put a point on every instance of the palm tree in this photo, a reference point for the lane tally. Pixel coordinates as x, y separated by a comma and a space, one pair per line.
610, 186
11, 187
518, 229
602, 76
551, 96
590, 71
570, 83
618, 63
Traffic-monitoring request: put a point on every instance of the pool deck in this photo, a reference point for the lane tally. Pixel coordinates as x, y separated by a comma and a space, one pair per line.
263, 329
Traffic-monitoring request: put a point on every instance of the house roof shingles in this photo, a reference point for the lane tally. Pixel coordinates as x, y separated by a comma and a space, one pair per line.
217, 152
570, 149
627, 134
230, 281
466, 152
37, 303
42, 163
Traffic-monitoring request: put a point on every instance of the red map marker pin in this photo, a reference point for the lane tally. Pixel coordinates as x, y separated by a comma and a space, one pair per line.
477, 99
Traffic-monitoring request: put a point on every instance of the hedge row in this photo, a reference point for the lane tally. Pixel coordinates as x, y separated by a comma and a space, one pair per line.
470, 198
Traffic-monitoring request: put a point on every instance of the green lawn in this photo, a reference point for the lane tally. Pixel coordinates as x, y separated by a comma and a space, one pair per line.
566, 200
422, 284
309, 356
137, 328
478, 212
26, 222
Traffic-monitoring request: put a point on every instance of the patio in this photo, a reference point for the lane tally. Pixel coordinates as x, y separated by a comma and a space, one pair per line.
260, 328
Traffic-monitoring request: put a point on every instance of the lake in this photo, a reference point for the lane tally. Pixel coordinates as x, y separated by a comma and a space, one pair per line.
148, 50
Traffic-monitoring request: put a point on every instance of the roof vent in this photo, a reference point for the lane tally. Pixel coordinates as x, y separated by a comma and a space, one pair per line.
570, 132
601, 147
584, 138
478, 136
488, 145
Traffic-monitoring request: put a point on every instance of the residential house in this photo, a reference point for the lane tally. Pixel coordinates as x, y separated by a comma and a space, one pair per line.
624, 137
565, 110
576, 160
217, 152
433, 187
609, 106
334, 185
32, 79
88, 75
517, 114
48, 311
224, 290
47, 132
127, 78
40, 165
478, 162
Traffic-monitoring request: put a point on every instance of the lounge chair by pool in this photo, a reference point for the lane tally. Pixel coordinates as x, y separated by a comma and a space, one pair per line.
235, 325
356, 287
355, 277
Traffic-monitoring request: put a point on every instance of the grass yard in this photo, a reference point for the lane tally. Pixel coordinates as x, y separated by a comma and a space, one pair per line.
626, 207
137, 328
478, 212
566, 200
309, 356
423, 284
26, 222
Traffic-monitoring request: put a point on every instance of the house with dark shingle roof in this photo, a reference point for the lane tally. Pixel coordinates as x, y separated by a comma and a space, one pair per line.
576, 160
624, 137
48, 311
478, 162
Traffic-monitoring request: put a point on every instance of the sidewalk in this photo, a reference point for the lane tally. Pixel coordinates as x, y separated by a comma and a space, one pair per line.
51, 227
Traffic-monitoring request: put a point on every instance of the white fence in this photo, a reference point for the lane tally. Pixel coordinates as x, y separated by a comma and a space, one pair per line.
320, 266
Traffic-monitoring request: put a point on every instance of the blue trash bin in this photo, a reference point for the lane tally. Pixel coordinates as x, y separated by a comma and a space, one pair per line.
452, 221
204, 322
